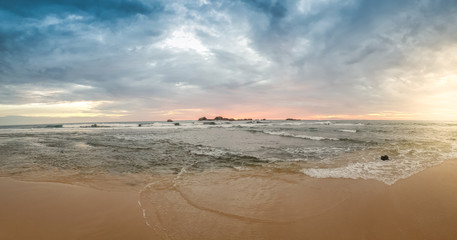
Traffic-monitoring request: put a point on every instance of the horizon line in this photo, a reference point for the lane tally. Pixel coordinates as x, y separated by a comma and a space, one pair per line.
250, 119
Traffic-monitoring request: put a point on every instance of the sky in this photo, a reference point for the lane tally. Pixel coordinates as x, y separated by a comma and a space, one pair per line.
143, 60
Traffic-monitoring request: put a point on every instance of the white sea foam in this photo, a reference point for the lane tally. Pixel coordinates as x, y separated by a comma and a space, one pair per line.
213, 152
388, 172
292, 123
285, 134
348, 130
241, 168
145, 217
158, 125
100, 125
323, 123
319, 152
349, 124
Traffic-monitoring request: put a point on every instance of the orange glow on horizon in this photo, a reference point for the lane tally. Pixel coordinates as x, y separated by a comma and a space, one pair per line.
282, 115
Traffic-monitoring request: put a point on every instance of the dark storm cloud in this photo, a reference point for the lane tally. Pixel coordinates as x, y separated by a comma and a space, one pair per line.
20, 19
324, 56
18, 30
274, 9
105, 10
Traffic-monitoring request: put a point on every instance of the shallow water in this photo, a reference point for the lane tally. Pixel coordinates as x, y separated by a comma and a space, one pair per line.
229, 204
322, 149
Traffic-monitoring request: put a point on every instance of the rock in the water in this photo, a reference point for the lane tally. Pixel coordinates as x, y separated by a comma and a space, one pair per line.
384, 157
169, 120
220, 118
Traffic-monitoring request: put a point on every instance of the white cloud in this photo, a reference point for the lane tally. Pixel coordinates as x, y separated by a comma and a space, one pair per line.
184, 40
57, 110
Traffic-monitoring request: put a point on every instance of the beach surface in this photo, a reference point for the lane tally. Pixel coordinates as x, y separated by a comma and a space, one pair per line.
39, 210
236, 205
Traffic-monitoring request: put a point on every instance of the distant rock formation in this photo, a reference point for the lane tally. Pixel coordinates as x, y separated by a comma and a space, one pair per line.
94, 126
220, 118
169, 120
292, 119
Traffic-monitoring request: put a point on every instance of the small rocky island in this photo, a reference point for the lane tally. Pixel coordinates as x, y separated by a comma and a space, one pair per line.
220, 118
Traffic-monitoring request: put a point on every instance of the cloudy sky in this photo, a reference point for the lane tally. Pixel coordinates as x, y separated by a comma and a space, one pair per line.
121, 60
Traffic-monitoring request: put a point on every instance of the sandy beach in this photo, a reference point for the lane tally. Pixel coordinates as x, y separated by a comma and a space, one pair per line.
236, 206
36, 210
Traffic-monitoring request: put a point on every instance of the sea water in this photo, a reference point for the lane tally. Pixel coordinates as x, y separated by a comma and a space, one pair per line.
320, 149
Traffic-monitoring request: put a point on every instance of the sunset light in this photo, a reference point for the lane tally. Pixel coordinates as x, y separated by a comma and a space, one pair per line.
297, 59
228, 119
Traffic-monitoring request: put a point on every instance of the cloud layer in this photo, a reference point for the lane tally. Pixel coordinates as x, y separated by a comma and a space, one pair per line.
150, 60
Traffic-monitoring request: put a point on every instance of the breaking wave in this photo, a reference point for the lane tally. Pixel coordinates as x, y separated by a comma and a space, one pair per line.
285, 134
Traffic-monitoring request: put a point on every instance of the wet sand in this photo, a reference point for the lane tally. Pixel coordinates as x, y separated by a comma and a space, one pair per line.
237, 205
31, 210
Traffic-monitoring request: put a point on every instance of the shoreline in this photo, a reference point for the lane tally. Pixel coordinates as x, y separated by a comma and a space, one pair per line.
236, 206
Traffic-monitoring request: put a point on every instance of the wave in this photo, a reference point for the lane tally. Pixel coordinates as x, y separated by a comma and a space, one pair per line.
224, 158
213, 152
348, 130
323, 123
102, 125
387, 172
349, 124
160, 125
284, 134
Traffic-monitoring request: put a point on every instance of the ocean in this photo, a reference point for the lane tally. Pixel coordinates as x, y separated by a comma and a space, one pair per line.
319, 149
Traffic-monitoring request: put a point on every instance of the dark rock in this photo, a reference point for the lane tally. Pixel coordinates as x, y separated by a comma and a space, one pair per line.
176, 124
169, 120
384, 157
220, 118
139, 125
54, 126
